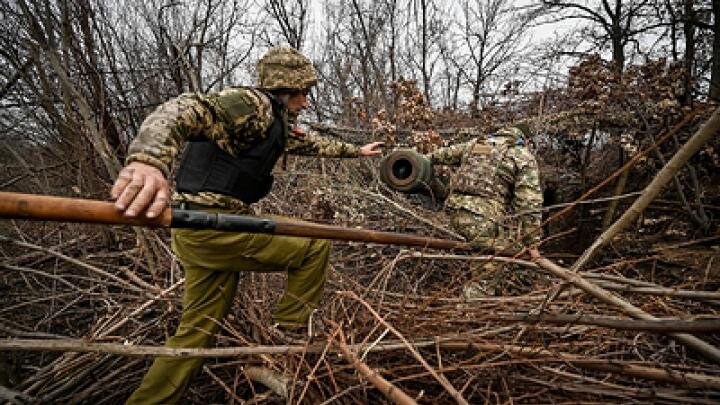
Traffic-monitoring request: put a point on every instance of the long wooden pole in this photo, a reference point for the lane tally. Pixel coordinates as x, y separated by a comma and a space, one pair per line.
47, 208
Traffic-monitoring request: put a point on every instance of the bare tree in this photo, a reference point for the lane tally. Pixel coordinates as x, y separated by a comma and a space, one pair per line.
689, 29
392, 11
425, 29
615, 22
707, 42
368, 23
354, 64
85, 74
491, 32
451, 76
291, 17
715, 75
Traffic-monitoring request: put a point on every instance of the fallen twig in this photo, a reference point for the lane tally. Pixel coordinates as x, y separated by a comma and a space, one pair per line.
604, 295
388, 389
659, 325
440, 378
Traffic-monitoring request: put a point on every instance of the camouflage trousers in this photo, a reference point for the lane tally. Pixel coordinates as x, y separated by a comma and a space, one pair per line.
484, 233
479, 231
212, 261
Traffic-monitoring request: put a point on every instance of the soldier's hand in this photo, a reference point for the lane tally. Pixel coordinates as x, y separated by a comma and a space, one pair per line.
140, 187
371, 149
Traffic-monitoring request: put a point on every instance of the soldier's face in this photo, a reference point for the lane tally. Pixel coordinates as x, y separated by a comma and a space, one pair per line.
297, 102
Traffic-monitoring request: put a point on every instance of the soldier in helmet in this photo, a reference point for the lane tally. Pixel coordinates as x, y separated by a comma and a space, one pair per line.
496, 195
234, 138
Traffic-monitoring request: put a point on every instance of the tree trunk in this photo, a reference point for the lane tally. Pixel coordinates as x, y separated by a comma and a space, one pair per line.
689, 63
715, 72
619, 189
617, 37
426, 76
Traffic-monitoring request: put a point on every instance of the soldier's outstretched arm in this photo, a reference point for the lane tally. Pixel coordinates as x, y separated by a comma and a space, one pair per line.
450, 155
314, 144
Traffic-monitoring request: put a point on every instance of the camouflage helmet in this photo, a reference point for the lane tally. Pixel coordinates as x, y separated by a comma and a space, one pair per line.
285, 68
524, 127
518, 132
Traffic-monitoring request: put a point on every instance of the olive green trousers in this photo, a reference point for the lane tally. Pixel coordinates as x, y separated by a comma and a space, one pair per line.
212, 261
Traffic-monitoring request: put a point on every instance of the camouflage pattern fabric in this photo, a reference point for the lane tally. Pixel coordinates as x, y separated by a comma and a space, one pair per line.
480, 230
234, 119
496, 194
285, 68
312, 144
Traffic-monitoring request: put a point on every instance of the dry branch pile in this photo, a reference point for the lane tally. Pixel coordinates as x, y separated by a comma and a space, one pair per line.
84, 307
392, 326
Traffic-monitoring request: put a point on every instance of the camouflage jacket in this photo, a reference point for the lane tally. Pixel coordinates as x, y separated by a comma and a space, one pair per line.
234, 119
498, 181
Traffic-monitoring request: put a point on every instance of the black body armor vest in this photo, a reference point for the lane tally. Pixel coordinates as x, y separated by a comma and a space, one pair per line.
247, 176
